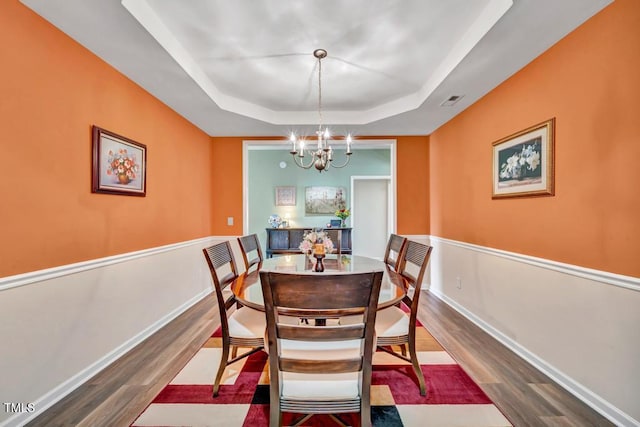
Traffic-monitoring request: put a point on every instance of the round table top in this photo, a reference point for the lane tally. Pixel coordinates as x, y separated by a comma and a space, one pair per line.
248, 290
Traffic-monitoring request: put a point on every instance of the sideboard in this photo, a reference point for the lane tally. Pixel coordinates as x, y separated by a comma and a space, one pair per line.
287, 240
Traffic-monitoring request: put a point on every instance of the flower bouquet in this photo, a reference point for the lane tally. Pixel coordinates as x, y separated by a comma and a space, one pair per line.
122, 166
343, 214
522, 164
313, 238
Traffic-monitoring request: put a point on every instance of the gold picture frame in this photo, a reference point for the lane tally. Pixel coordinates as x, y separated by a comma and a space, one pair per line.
523, 163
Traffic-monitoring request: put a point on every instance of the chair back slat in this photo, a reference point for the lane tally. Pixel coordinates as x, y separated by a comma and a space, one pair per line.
393, 252
249, 244
219, 255
324, 366
413, 265
325, 333
222, 265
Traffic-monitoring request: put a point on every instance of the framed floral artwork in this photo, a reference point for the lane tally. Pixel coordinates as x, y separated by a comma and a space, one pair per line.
285, 196
119, 164
523, 163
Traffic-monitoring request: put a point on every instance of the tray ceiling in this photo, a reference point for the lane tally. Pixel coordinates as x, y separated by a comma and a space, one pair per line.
246, 67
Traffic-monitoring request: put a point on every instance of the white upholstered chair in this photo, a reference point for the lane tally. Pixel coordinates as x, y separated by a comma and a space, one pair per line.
242, 327
320, 370
395, 327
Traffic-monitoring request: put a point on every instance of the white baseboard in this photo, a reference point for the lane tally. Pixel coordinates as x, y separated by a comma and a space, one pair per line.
607, 410
58, 393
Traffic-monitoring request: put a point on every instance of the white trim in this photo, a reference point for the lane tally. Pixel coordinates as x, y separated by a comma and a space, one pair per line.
421, 238
65, 270
58, 393
257, 144
627, 282
596, 402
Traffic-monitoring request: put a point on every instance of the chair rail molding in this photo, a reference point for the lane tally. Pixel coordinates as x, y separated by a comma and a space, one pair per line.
36, 276
628, 282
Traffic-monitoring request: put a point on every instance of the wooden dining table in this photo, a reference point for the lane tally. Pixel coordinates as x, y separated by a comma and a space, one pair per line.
248, 289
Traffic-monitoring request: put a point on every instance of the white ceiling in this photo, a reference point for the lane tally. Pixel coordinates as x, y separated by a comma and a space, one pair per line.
246, 67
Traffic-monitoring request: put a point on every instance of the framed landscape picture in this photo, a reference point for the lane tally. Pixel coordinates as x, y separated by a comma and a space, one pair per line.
523, 163
119, 164
324, 200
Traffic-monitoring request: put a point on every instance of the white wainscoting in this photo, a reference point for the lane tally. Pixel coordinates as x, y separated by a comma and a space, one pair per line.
63, 325
577, 325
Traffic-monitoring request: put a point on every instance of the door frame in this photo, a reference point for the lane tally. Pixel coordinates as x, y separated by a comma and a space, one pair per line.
363, 143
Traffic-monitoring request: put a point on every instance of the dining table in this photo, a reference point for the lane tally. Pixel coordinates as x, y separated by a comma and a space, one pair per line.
248, 290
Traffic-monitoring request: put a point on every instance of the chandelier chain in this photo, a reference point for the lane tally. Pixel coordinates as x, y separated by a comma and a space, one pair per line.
320, 93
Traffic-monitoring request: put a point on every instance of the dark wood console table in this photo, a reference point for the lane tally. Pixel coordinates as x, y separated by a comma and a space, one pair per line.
287, 240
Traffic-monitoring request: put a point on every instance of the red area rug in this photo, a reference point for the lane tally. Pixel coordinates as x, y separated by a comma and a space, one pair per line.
453, 399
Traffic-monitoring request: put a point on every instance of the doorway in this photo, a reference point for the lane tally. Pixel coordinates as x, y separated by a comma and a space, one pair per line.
372, 207
256, 199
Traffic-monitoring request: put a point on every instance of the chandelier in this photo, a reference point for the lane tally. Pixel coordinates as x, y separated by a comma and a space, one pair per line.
322, 156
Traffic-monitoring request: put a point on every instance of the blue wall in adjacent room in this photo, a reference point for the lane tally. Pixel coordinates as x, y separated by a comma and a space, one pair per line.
265, 173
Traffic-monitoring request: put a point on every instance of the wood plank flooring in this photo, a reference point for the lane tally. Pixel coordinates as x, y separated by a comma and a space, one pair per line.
115, 396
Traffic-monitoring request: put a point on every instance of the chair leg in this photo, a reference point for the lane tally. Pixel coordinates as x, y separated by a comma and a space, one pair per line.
416, 368
234, 351
403, 349
275, 416
223, 364
365, 415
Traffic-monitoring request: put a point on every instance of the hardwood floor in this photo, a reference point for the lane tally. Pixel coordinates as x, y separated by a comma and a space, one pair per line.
115, 396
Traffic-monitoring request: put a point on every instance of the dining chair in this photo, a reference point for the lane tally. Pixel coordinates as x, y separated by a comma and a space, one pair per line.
394, 327
327, 369
336, 238
250, 247
242, 327
395, 246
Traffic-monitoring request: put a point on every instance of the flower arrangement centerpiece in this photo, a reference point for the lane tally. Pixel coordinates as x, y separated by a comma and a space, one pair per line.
316, 242
122, 166
522, 164
343, 214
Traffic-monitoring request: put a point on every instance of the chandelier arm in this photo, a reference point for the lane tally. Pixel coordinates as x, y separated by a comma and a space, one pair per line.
301, 163
342, 165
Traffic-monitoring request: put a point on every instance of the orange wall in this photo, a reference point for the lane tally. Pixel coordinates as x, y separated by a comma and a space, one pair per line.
412, 183
52, 91
589, 82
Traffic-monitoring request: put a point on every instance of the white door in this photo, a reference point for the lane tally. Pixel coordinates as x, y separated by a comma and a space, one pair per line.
371, 207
